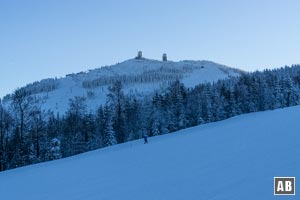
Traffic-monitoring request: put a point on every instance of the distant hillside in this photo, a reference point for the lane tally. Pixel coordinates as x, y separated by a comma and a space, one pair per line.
139, 76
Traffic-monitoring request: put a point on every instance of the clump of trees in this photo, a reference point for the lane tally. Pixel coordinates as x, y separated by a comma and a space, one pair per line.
31, 135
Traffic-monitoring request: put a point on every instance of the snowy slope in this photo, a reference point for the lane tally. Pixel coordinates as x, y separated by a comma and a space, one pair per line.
235, 159
140, 77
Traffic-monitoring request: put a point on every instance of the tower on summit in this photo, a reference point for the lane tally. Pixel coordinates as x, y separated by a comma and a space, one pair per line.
139, 55
164, 57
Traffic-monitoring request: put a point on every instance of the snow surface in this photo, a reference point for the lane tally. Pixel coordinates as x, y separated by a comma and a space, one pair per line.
193, 73
234, 159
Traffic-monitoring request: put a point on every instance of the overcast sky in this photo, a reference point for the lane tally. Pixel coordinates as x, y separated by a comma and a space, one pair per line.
49, 38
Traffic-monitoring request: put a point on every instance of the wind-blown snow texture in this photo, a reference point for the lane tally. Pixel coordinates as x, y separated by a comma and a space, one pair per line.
235, 159
140, 77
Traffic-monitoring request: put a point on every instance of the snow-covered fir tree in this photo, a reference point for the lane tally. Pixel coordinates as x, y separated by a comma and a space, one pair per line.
55, 151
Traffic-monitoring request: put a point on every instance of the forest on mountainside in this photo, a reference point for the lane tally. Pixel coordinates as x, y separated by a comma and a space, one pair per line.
30, 135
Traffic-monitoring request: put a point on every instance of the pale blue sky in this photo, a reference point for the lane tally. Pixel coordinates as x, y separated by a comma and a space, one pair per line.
48, 38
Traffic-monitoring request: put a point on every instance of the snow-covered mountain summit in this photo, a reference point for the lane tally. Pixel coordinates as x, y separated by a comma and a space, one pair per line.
139, 76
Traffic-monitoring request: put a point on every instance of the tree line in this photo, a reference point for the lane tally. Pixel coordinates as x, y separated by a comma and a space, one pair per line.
30, 135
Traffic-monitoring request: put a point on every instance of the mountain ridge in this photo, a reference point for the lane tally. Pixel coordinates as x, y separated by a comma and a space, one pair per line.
140, 77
